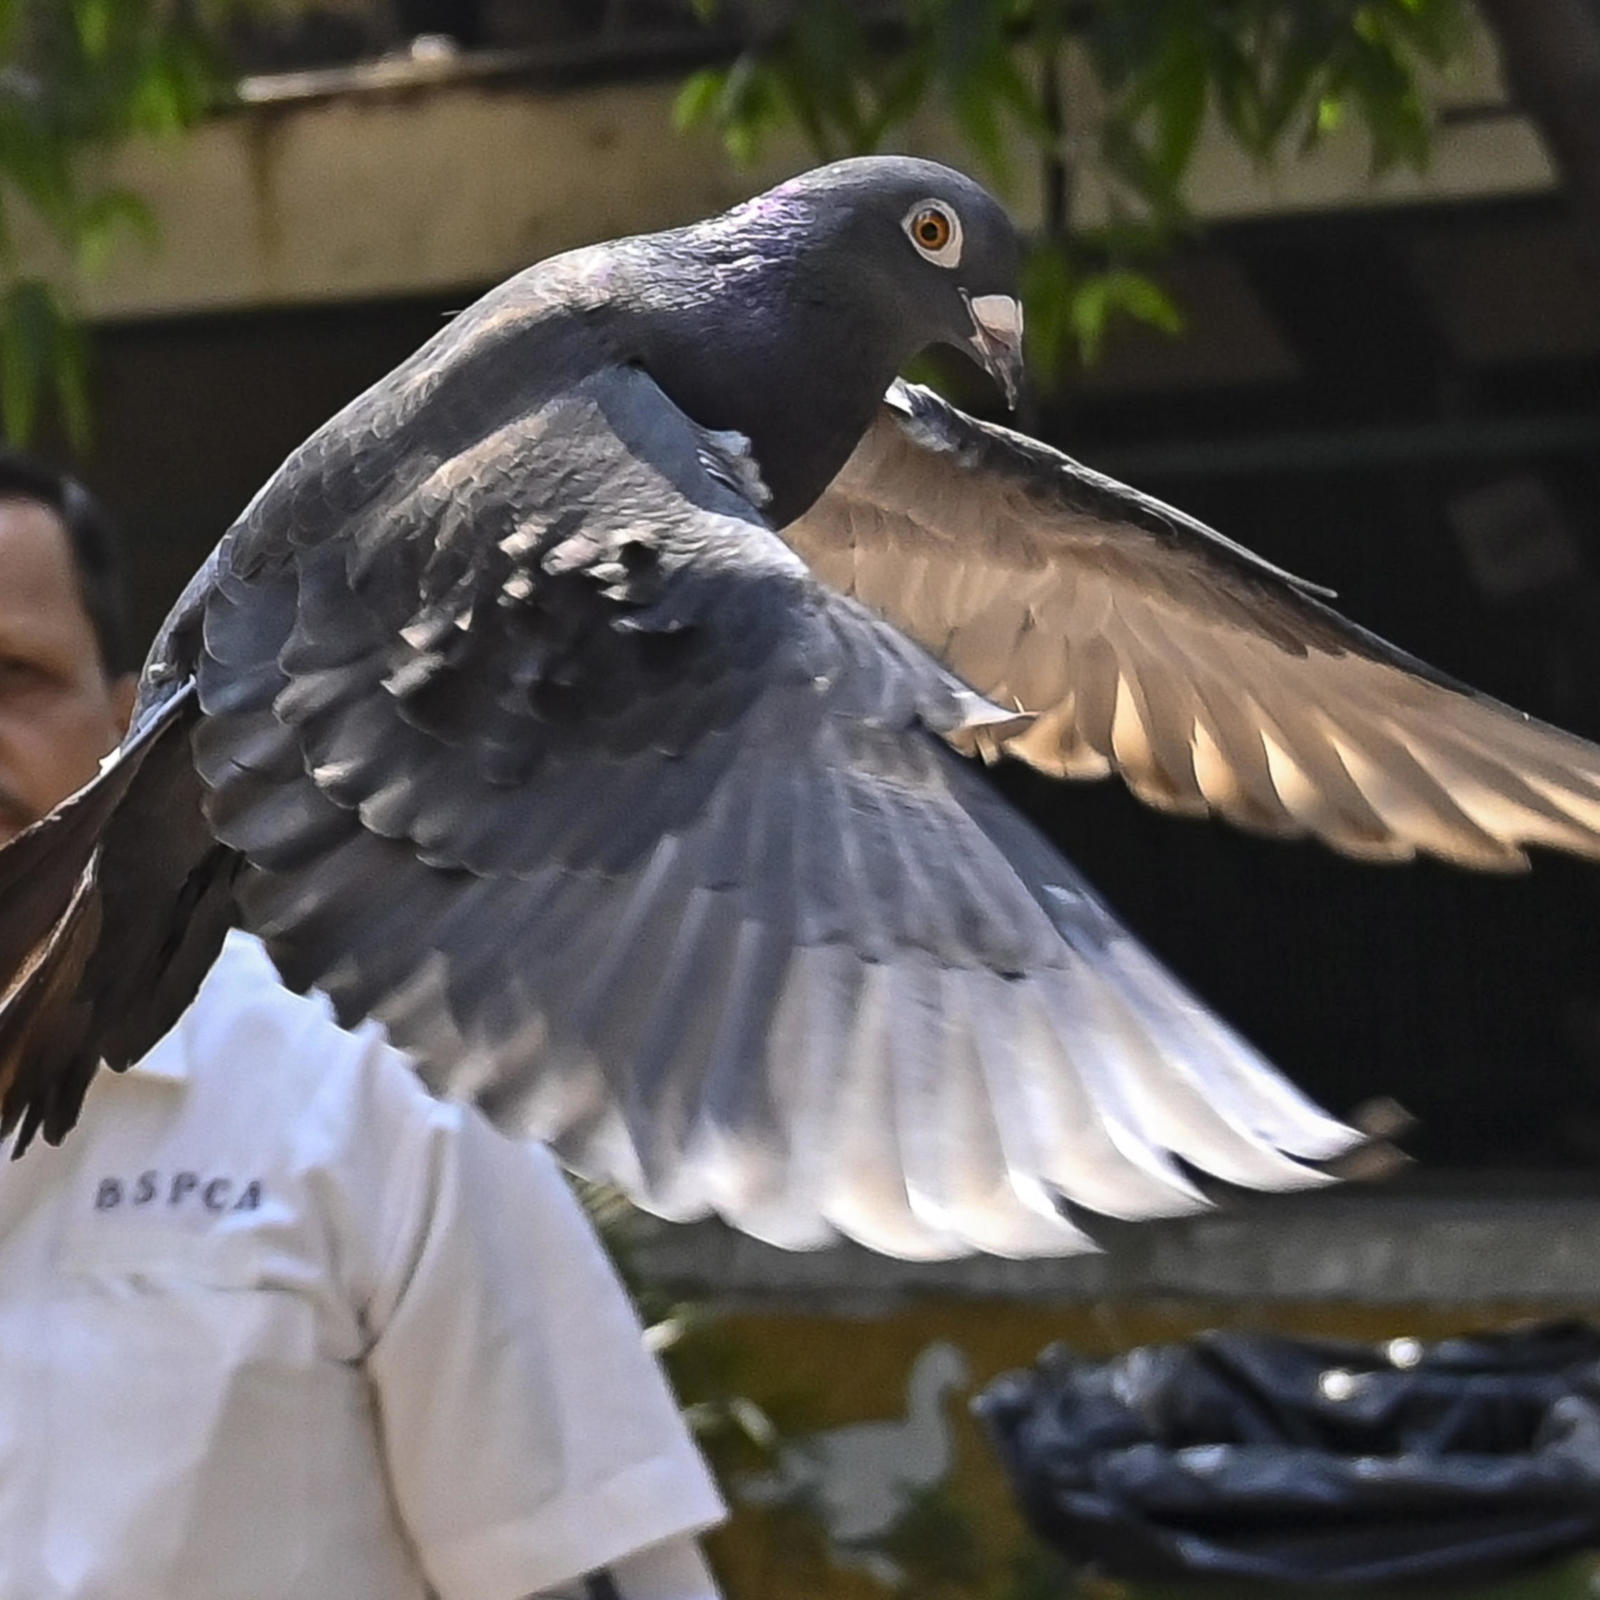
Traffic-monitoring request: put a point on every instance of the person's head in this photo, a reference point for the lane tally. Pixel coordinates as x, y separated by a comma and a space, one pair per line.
65, 689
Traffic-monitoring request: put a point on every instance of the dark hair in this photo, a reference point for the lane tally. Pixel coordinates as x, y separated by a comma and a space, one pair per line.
96, 548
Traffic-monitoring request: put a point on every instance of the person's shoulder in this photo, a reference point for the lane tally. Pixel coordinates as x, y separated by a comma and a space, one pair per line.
245, 1026
243, 1010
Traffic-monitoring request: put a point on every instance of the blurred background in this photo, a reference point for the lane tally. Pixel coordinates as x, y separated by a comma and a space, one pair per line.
1322, 272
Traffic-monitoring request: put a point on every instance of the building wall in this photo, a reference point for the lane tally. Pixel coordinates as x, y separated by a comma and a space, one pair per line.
407, 178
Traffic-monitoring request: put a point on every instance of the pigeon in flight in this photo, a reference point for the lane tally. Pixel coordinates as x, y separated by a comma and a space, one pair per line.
591, 700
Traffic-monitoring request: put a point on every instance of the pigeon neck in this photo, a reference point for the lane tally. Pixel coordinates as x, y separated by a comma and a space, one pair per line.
805, 405
763, 348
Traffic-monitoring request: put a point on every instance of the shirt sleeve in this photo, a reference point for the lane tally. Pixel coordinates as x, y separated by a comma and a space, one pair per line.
672, 1570
529, 1436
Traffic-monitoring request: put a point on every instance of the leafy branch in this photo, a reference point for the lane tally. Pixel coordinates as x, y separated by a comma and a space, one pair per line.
1276, 75
77, 76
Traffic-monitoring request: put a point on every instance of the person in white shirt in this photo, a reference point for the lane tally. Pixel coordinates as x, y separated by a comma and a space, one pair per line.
273, 1322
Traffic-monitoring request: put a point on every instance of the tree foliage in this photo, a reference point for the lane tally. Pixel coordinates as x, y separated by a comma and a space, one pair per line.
80, 75
77, 76
1278, 75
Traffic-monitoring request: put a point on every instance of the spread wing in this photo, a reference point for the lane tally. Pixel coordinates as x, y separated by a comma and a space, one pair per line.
551, 754
1146, 644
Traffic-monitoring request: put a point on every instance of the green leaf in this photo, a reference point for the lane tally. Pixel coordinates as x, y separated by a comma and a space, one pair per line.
107, 218
95, 21
903, 91
1143, 299
69, 370
829, 57
1023, 101
157, 104
1237, 88
25, 346
41, 349
1175, 90
1099, 299
980, 125
1436, 29
178, 83
793, 91
1089, 311
742, 110
1385, 90
697, 99
977, 65
1180, 112
38, 166
1047, 290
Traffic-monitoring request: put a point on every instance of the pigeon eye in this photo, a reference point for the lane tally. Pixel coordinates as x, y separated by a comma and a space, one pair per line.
936, 232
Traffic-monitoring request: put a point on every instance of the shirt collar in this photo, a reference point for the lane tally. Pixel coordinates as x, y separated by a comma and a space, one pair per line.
167, 1061
241, 958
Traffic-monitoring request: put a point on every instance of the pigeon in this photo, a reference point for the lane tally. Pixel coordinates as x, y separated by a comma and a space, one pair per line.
599, 702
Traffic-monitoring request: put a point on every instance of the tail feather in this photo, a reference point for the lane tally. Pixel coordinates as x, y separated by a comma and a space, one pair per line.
141, 897
45, 1023
40, 868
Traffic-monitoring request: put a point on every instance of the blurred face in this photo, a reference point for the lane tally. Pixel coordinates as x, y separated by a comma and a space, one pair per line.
59, 713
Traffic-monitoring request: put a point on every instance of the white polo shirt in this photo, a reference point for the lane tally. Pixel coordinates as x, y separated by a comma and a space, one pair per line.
274, 1322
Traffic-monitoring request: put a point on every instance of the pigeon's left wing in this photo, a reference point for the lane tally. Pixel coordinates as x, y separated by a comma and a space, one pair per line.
1144, 643
556, 759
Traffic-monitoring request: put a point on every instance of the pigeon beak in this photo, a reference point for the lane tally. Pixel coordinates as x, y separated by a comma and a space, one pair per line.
997, 338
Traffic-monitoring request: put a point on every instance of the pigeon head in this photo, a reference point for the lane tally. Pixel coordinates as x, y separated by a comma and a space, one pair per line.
932, 253
787, 318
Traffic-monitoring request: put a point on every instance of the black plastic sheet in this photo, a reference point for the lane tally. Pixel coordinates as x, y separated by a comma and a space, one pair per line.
1254, 1457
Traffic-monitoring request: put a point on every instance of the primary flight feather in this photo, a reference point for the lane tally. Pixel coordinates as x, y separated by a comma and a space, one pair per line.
589, 700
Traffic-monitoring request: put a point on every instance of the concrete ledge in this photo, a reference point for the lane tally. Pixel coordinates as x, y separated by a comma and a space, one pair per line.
1399, 1247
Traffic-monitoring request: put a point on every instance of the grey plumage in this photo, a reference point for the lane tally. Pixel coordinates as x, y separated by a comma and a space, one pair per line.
505, 714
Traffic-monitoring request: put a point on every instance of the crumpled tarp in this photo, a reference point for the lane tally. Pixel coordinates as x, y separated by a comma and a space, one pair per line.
1249, 1456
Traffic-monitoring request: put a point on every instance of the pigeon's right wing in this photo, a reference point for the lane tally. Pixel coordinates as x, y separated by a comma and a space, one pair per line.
1146, 644
556, 759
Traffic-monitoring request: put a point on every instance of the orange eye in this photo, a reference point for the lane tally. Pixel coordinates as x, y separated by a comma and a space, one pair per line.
931, 228
935, 230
